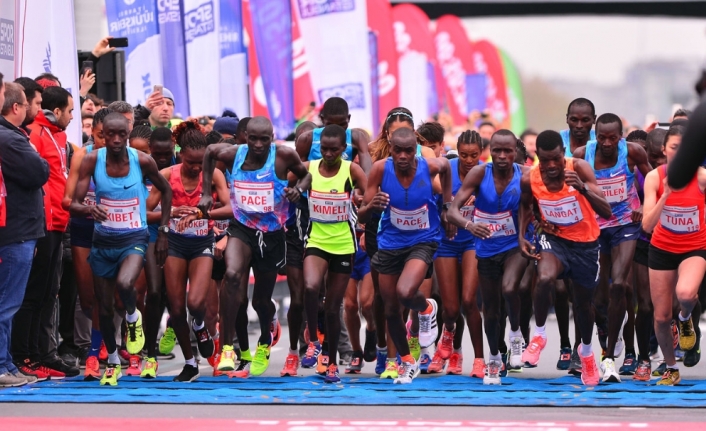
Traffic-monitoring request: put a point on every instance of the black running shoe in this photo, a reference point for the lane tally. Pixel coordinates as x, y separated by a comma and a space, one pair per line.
58, 365
356, 365
204, 342
693, 356
370, 350
188, 374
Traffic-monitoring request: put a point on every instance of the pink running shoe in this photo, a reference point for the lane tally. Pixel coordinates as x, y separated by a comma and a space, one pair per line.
446, 344
589, 370
531, 354
437, 364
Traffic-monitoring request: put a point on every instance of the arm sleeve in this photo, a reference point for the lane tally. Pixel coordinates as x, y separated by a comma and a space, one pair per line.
692, 151
23, 166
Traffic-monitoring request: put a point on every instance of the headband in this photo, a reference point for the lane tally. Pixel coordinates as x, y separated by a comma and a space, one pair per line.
399, 113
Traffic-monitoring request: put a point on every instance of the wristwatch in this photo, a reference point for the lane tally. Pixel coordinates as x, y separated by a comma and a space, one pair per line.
163, 229
446, 206
301, 191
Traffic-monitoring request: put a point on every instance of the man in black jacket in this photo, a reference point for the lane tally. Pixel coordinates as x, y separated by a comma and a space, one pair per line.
23, 174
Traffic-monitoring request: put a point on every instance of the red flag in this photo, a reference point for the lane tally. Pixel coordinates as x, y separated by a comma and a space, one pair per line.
453, 53
380, 22
486, 59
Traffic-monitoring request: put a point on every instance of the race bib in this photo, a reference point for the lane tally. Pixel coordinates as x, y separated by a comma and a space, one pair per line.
410, 220
90, 199
122, 214
680, 220
614, 189
467, 212
564, 212
221, 224
500, 224
329, 207
195, 228
254, 197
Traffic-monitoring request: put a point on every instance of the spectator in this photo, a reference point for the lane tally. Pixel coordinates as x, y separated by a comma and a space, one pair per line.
22, 175
161, 107
227, 124
486, 129
126, 110
32, 327
529, 138
87, 124
33, 92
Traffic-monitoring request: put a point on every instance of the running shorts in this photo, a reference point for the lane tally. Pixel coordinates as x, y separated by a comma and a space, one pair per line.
82, 232
493, 267
393, 261
188, 248
613, 236
641, 252
455, 248
105, 262
337, 263
579, 259
269, 249
662, 260
361, 266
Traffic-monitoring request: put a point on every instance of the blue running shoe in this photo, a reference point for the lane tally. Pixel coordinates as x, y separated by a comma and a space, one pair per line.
503, 369
311, 358
381, 362
424, 362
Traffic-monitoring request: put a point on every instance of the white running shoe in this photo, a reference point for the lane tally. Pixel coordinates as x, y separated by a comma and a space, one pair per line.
406, 373
428, 328
516, 345
492, 373
609, 373
620, 344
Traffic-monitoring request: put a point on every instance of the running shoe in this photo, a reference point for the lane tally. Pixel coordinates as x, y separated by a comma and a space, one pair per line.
322, 364
693, 356
390, 371
57, 364
369, 349
188, 374
356, 365
291, 366
149, 371
311, 357
455, 364
135, 365
168, 341
332, 374
111, 375
51, 373
643, 372
575, 366
93, 369
670, 377
660, 370
531, 354
414, 348
261, 360
564, 359
478, 368
629, 365
407, 372
424, 362
124, 356
589, 370
204, 342
213, 359
491, 374
242, 371
679, 355
446, 344
437, 364
30, 379
428, 328
516, 346
675, 335
135, 336
103, 353
503, 369
381, 360
275, 328
227, 359
609, 373
687, 336
620, 343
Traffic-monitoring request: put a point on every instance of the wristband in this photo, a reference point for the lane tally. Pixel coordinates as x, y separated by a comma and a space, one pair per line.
466, 226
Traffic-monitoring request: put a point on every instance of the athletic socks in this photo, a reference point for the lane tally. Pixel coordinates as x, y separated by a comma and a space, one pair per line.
196, 326
132, 318
292, 352
684, 319
515, 334
191, 362
96, 341
541, 331
428, 310
113, 358
585, 349
408, 359
497, 358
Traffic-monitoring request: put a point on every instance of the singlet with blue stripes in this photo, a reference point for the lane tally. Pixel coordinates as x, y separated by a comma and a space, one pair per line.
411, 216
462, 235
500, 213
86, 223
567, 140
315, 151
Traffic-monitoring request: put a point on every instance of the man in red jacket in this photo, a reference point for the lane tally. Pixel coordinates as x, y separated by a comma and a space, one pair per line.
32, 324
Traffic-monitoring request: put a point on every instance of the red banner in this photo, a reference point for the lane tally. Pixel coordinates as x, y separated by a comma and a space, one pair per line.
486, 59
258, 100
303, 92
380, 22
453, 53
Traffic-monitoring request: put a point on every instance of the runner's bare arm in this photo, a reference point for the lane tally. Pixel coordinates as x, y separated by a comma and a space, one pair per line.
651, 207
583, 177
225, 211
360, 181
214, 153
73, 177
360, 144
374, 199
428, 154
580, 153
150, 170
77, 208
154, 198
293, 164
303, 145
292, 179
468, 187
638, 156
526, 201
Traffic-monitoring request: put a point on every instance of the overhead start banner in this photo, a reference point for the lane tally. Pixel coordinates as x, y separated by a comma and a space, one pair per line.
173, 54
515, 98
233, 65
380, 22
417, 64
335, 33
487, 60
453, 53
258, 99
203, 55
303, 93
48, 45
136, 20
272, 31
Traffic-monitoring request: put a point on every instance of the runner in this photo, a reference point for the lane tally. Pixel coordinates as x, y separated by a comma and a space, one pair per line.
456, 267
256, 235
494, 223
191, 240
569, 199
120, 236
614, 160
677, 255
330, 241
409, 235
580, 117
359, 300
81, 243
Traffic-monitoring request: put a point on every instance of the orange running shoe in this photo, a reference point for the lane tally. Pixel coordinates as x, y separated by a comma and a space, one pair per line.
93, 369
437, 364
446, 344
291, 366
213, 359
322, 365
103, 353
478, 368
135, 366
531, 354
455, 364
643, 372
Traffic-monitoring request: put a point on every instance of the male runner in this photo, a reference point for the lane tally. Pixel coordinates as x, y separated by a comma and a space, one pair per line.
120, 236
259, 188
580, 117
500, 264
410, 230
613, 161
569, 199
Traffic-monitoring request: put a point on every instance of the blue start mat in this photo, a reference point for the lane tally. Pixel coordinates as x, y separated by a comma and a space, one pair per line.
441, 390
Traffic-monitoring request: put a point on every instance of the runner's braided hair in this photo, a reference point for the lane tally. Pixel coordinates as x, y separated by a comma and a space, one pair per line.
637, 135
521, 152
99, 116
381, 146
190, 134
141, 132
470, 137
